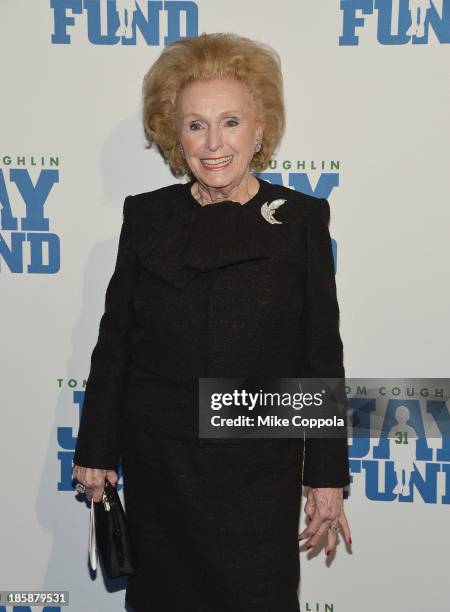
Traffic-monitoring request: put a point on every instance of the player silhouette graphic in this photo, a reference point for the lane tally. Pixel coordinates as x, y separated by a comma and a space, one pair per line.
125, 10
418, 10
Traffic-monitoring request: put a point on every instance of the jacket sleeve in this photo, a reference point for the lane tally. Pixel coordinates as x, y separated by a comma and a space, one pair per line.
326, 462
98, 435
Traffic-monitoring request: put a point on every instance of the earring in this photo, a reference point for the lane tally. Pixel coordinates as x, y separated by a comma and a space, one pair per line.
181, 149
257, 146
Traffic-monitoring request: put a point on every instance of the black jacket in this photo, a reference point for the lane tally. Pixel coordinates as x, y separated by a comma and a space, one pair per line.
213, 291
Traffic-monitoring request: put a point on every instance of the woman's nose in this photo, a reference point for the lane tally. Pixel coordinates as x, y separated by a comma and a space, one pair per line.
214, 139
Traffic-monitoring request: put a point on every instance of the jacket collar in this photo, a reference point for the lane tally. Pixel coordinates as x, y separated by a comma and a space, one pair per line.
193, 238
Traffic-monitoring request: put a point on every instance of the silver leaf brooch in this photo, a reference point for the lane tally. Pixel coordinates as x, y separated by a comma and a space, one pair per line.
268, 209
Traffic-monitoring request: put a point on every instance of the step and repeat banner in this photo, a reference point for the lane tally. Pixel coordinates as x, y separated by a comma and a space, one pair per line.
367, 100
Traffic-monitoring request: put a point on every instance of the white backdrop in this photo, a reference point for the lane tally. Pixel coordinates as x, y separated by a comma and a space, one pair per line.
367, 127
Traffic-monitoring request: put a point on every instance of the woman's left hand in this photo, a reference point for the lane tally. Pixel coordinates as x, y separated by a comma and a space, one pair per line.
323, 507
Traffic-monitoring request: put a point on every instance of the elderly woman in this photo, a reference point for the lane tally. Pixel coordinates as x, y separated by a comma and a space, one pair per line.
226, 275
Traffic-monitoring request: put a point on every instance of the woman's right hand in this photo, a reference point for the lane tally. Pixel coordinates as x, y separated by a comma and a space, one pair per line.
94, 480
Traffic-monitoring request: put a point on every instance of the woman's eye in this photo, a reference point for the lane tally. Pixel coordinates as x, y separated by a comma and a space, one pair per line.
232, 121
194, 125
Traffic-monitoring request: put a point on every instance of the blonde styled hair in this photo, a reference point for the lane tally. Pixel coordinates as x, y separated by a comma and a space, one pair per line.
216, 55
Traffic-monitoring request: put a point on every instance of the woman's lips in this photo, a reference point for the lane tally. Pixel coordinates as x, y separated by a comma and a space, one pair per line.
216, 164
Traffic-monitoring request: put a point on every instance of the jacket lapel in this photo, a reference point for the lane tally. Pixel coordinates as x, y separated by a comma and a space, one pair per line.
195, 239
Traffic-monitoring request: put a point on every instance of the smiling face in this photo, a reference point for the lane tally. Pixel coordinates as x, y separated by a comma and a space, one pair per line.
217, 127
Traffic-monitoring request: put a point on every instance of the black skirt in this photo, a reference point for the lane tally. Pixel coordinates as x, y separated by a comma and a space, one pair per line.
213, 528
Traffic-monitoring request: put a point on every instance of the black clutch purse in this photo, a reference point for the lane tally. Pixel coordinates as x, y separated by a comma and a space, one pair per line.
109, 534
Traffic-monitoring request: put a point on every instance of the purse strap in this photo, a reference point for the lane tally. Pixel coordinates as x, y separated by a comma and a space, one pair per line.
92, 545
